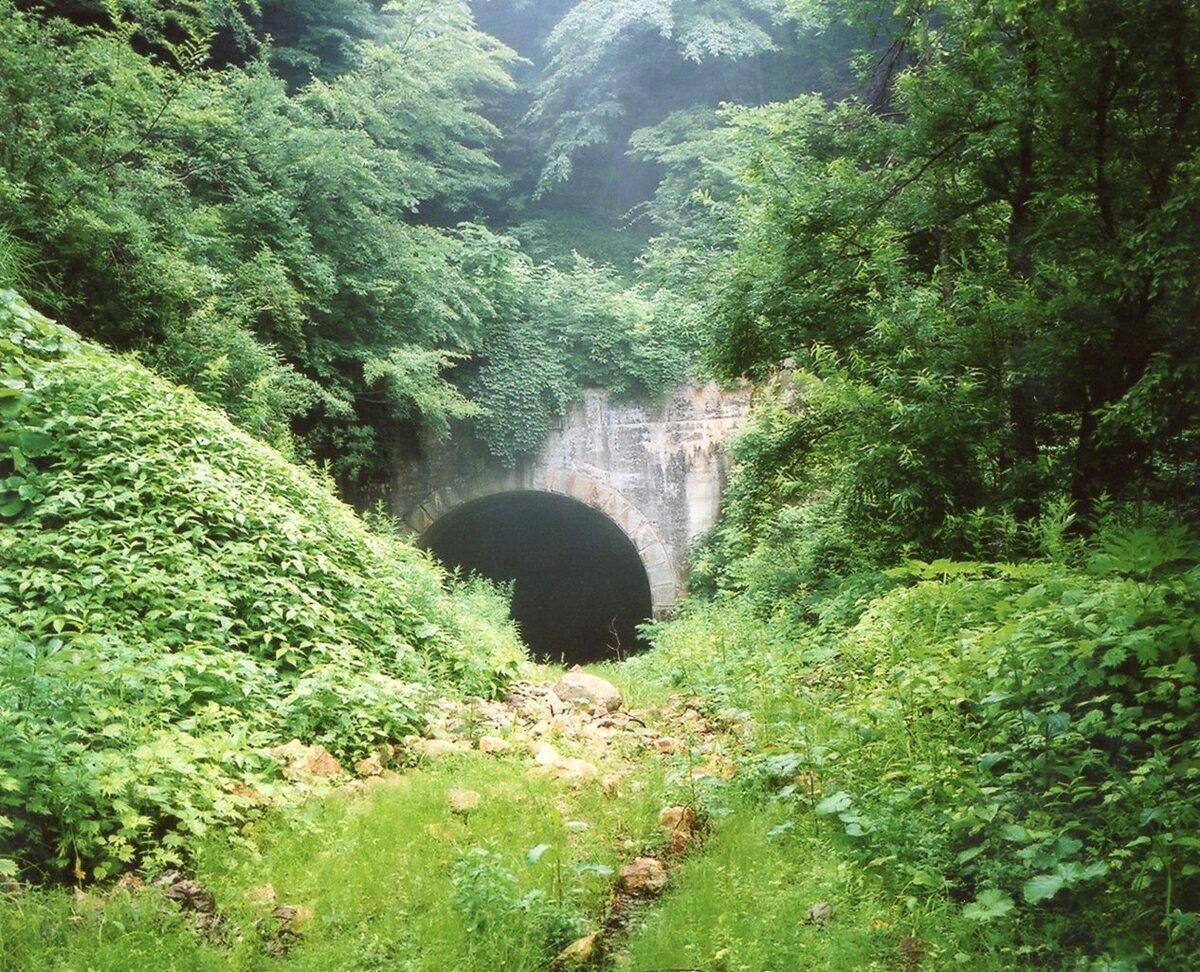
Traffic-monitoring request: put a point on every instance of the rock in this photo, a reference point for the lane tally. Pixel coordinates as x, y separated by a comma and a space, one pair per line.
678, 820
645, 877
669, 744
910, 951
463, 801
821, 913
300, 762
436, 748
190, 896
494, 744
438, 832
717, 767
293, 915
579, 686
251, 796
546, 755
576, 770
370, 766
610, 783
555, 702
130, 882
262, 894
580, 951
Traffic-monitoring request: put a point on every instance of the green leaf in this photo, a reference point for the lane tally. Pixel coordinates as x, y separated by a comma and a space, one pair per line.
834, 804
1041, 888
988, 905
537, 853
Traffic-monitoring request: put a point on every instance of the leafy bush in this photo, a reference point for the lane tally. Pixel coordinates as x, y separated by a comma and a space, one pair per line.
175, 598
1021, 739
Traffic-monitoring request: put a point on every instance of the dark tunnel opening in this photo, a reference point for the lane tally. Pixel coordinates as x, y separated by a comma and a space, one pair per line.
579, 587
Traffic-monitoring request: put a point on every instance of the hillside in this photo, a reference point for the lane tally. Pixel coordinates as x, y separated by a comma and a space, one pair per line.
175, 599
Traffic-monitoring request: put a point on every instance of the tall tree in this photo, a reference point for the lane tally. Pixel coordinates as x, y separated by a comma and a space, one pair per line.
991, 266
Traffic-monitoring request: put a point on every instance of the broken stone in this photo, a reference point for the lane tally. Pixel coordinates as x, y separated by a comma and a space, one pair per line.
580, 951
249, 794
436, 748
370, 766
188, 894
910, 951
580, 686
262, 894
680, 820
645, 877
300, 762
669, 744
129, 882
554, 701
546, 755
463, 801
576, 770
610, 783
293, 915
821, 913
716, 766
438, 832
494, 744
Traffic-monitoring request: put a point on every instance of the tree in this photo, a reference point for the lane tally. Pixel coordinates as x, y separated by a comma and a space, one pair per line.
992, 271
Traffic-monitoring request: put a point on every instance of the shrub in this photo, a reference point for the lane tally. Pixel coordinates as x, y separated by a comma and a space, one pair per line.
176, 598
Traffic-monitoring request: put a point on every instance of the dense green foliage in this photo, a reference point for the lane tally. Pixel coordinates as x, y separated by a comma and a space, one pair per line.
175, 598
986, 285
969, 302
1019, 741
953, 594
279, 224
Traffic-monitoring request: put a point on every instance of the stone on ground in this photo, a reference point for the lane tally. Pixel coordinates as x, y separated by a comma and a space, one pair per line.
436, 748
579, 951
463, 801
580, 687
369, 766
678, 820
645, 877
300, 762
494, 744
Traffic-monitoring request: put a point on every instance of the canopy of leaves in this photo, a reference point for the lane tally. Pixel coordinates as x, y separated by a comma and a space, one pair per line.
986, 284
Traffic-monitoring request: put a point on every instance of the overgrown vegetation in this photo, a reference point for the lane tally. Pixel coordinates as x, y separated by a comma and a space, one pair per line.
278, 206
953, 594
175, 598
1012, 748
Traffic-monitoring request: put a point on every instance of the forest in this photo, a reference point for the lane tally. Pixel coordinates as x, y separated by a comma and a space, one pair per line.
931, 700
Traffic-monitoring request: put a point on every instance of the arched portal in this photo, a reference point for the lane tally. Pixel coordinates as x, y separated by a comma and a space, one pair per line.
579, 585
665, 580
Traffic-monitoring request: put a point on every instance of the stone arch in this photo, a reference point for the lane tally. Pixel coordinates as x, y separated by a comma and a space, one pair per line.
656, 559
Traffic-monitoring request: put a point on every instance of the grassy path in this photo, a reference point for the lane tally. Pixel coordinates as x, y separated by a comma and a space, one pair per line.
470, 859
496, 851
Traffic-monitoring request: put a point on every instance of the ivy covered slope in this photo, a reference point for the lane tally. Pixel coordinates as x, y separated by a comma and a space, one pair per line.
175, 598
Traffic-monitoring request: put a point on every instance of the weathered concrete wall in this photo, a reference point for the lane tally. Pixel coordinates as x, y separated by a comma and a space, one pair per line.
657, 470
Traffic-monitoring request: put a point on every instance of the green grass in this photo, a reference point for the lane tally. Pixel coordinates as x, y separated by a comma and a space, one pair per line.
394, 879
743, 905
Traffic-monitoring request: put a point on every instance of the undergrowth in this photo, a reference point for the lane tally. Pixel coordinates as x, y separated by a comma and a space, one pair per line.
176, 598
387, 876
1013, 747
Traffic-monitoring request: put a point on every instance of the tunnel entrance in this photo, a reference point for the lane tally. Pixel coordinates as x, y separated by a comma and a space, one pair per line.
579, 587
